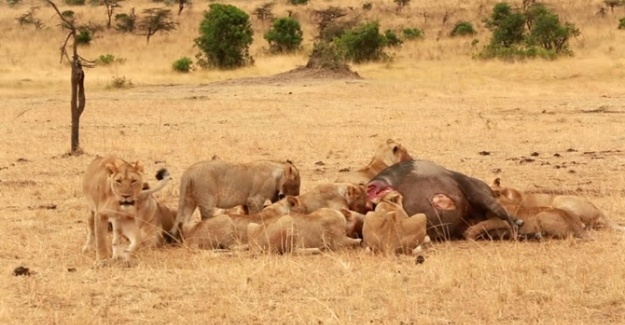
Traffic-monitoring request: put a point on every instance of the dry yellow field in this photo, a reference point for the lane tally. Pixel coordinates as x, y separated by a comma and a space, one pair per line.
433, 98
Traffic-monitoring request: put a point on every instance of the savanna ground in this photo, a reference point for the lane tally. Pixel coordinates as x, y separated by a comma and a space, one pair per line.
433, 98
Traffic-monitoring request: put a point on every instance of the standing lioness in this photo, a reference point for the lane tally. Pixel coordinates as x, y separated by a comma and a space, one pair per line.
113, 188
219, 184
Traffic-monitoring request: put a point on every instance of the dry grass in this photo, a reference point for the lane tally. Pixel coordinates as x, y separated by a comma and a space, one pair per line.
438, 102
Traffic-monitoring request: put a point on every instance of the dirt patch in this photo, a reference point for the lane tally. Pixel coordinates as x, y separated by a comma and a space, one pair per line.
299, 73
314, 73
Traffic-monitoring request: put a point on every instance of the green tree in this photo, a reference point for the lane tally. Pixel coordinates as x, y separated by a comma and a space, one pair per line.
156, 20
507, 25
285, 35
548, 33
225, 37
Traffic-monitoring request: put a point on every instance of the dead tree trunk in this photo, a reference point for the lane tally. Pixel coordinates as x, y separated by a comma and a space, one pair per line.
78, 103
78, 99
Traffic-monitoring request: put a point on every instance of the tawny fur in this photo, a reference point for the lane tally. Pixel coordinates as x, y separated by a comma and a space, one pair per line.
334, 196
389, 229
539, 222
322, 229
577, 206
113, 189
218, 184
387, 154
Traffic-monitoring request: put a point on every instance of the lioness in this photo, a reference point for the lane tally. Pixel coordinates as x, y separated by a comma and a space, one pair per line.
387, 154
539, 222
216, 232
334, 196
388, 228
321, 229
219, 184
113, 189
577, 206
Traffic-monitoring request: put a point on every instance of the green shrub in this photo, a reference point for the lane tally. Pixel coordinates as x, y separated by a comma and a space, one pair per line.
537, 32
621, 23
412, 33
367, 6
13, 2
298, 2
184, 65
83, 37
108, 59
363, 43
463, 28
125, 23
391, 39
75, 2
285, 35
69, 14
327, 55
548, 33
225, 37
507, 25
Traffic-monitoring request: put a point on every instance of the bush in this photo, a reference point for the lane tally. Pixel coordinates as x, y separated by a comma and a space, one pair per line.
537, 32
548, 33
508, 26
184, 65
75, 2
412, 33
392, 39
463, 28
83, 37
298, 2
327, 55
120, 83
621, 23
363, 43
13, 2
285, 35
225, 37
108, 59
367, 6
125, 23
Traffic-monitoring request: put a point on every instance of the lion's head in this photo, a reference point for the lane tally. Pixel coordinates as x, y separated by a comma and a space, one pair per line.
290, 181
126, 182
391, 153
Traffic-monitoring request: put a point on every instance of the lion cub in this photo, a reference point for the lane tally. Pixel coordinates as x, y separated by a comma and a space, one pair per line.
389, 229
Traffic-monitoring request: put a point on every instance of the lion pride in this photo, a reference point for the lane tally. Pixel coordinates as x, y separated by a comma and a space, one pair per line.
113, 189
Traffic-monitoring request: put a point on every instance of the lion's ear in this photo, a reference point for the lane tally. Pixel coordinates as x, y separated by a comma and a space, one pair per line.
289, 173
138, 166
111, 168
293, 201
497, 182
348, 214
396, 198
